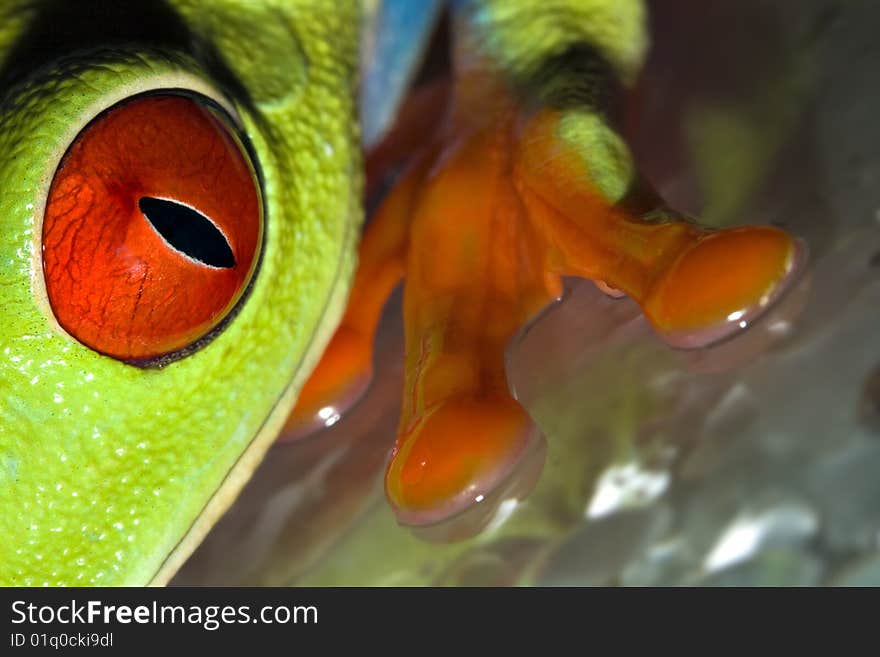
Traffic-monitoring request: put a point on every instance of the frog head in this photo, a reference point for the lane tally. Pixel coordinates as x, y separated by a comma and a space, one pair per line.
143, 377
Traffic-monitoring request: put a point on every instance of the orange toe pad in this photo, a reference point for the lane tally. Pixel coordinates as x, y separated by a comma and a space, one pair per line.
455, 456
339, 381
721, 283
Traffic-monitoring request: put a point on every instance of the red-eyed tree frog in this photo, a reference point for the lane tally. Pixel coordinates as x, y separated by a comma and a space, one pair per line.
181, 192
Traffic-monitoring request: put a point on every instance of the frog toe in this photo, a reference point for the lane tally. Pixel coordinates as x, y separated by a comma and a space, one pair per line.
456, 456
721, 283
337, 384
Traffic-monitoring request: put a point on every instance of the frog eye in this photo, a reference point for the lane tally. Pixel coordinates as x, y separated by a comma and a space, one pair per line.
152, 227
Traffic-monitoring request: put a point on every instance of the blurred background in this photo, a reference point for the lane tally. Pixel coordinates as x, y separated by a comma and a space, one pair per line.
755, 462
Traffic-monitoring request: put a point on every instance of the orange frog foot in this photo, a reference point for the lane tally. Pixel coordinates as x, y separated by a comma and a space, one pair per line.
483, 225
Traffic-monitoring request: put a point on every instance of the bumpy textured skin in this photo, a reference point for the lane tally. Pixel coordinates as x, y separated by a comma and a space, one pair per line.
517, 35
107, 468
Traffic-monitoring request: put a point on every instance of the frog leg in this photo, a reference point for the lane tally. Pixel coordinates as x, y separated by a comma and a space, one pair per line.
695, 285
512, 204
511, 196
346, 367
475, 273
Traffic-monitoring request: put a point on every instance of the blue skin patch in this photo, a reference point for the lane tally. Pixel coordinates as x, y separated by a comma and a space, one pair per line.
393, 49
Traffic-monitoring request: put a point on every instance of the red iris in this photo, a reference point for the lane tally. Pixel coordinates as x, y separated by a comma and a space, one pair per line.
152, 228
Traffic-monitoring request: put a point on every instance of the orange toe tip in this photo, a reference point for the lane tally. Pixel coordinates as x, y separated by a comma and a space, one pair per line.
337, 384
723, 283
311, 417
455, 457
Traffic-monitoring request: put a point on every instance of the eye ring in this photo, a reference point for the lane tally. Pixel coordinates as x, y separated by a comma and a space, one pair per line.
153, 228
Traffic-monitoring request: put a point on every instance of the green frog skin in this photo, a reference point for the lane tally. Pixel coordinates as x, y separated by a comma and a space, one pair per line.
111, 473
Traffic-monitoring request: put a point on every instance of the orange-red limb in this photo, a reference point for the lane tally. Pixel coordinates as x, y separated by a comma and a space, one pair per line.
483, 226
346, 368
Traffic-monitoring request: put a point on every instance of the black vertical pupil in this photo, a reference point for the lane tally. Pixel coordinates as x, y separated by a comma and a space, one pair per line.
188, 231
